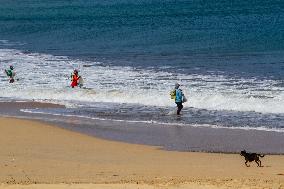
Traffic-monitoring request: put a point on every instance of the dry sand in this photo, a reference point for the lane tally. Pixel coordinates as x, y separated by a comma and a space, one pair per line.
37, 155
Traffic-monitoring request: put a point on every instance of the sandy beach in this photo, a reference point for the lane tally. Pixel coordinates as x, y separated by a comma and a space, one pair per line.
37, 155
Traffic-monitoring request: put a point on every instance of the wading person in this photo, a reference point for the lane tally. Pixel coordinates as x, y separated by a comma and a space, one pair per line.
75, 79
11, 74
179, 97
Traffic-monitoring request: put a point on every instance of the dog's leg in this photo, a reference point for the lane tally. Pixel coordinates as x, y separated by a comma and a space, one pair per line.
256, 161
260, 163
247, 164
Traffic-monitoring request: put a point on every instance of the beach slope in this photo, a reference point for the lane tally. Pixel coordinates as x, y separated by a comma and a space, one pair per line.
38, 155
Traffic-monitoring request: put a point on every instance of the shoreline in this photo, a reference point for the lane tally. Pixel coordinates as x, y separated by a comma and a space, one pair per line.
171, 138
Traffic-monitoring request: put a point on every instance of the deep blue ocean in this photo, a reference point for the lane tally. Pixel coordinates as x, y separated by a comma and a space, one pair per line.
234, 36
228, 56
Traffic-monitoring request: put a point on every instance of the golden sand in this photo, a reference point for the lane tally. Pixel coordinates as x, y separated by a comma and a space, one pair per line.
38, 155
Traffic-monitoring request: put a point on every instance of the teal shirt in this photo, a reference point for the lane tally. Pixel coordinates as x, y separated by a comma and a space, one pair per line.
9, 73
179, 95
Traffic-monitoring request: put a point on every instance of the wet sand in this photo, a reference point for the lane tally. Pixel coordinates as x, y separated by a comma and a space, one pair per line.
14, 107
44, 156
174, 138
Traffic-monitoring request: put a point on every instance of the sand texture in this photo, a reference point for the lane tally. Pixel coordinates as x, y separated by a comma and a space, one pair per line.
37, 155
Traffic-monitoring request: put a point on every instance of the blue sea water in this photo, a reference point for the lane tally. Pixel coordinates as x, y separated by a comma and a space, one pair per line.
227, 55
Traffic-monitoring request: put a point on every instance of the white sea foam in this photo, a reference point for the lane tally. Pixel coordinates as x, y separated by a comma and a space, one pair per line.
45, 77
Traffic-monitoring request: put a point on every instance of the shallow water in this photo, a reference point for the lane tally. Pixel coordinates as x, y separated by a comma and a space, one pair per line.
202, 138
136, 94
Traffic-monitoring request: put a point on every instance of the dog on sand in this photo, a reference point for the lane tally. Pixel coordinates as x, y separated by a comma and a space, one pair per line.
249, 157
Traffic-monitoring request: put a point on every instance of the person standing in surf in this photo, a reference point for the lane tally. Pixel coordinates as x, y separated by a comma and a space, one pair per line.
75, 78
11, 74
179, 97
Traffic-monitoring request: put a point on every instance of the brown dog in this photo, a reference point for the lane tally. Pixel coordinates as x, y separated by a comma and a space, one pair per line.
249, 157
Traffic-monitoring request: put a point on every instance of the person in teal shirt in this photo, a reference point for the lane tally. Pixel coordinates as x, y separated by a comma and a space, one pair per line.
11, 74
178, 98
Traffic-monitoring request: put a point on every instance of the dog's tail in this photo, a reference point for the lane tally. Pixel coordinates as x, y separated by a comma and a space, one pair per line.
261, 155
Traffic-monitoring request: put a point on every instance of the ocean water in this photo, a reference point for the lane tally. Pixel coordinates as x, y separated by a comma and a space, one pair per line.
228, 57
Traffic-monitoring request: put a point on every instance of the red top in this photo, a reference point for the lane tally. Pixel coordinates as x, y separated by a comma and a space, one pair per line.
75, 79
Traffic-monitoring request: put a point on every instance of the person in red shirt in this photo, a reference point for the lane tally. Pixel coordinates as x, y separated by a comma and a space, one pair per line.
75, 79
